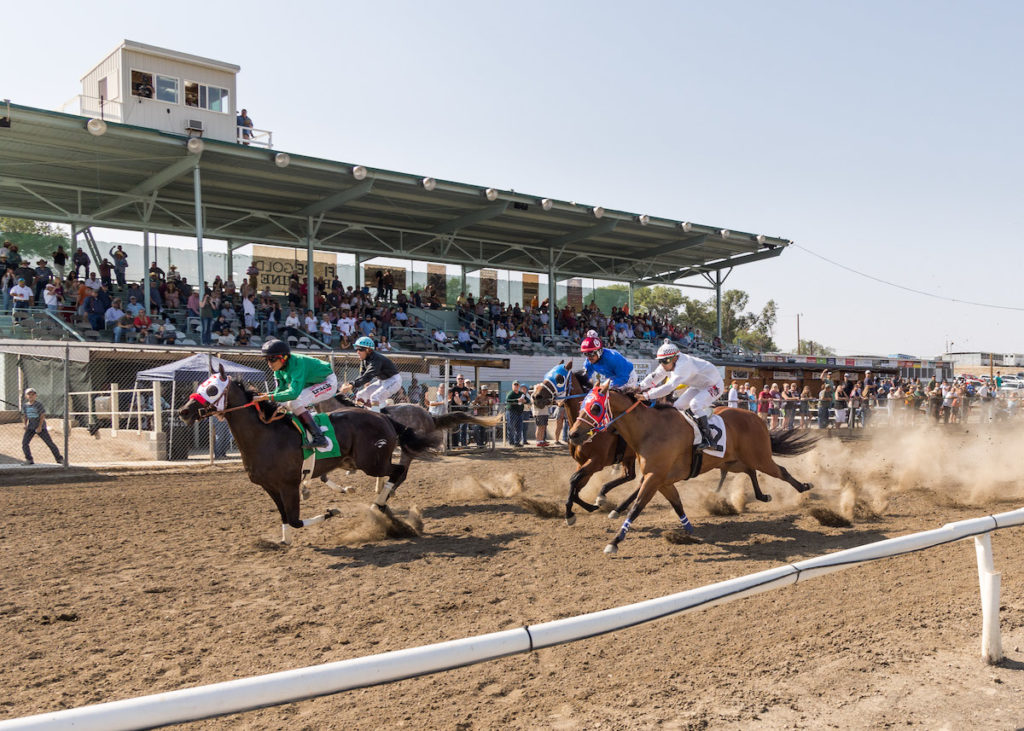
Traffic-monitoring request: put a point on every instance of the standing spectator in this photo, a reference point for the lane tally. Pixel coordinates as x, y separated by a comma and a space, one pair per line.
389, 285
416, 392
50, 298
764, 403
44, 275
120, 258
244, 123
21, 295
106, 268
805, 407
790, 403
514, 401
439, 405
7, 282
81, 261
841, 405
33, 415
249, 312
825, 396
540, 421
60, 260
482, 406
734, 396
459, 400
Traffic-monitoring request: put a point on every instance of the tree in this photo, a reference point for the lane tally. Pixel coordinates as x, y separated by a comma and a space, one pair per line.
662, 302
35, 239
810, 347
10, 225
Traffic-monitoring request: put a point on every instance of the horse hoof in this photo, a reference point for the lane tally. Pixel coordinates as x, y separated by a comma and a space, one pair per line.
570, 520
765, 498
601, 501
807, 486
613, 514
347, 489
333, 512
305, 492
611, 549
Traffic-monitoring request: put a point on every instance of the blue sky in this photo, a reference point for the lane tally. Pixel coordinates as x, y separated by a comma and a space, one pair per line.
884, 136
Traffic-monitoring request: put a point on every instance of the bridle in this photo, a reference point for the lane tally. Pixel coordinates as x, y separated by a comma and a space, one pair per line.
209, 408
602, 421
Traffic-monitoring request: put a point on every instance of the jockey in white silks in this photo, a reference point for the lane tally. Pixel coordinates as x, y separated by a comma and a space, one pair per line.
693, 382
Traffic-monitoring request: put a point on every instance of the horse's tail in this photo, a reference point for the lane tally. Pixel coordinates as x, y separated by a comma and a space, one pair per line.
447, 421
792, 442
417, 444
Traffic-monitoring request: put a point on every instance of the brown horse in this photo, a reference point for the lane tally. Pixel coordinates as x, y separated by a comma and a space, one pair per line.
663, 441
562, 384
271, 448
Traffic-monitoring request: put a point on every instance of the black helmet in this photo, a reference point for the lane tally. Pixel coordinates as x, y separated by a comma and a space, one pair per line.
273, 348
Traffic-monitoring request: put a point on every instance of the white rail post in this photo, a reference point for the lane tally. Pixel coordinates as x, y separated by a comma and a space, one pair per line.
158, 425
115, 405
990, 582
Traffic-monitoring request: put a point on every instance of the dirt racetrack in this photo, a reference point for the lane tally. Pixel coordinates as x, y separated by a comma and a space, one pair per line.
121, 585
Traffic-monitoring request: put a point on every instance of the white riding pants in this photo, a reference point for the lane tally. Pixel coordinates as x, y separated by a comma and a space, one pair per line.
699, 400
377, 392
313, 395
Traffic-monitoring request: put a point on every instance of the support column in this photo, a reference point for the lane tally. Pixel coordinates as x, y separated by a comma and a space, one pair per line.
629, 301
718, 301
146, 297
359, 272
310, 289
552, 294
198, 194
462, 274
230, 273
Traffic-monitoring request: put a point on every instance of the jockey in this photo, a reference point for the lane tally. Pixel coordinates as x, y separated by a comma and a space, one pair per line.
377, 375
699, 381
301, 382
609, 363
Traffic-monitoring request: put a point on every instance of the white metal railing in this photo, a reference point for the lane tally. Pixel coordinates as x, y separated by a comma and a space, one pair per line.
219, 699
93, 106
255, 137
145, 407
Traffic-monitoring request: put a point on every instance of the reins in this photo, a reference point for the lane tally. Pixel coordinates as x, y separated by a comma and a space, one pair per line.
254, 403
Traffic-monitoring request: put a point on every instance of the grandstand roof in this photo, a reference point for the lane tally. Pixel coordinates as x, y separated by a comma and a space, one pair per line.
52, 168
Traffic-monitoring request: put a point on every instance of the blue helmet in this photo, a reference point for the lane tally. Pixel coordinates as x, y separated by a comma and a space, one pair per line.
365, 342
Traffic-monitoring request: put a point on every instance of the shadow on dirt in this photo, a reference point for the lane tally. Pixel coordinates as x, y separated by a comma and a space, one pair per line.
384, 554
455, 511
776, 540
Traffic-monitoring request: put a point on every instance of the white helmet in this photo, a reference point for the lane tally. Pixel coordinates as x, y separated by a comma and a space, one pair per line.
668, 349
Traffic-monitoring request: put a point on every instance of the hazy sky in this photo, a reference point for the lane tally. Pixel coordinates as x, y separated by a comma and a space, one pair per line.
884, 136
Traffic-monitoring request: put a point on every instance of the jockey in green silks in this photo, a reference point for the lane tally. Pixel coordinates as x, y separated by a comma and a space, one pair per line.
301, 382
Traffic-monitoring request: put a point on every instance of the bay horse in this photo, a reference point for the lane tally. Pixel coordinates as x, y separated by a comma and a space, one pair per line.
663, 441
271, 447
562, 384
413, 417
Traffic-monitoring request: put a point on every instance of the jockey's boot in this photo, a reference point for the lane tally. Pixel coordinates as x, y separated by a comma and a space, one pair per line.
706, 437
317, 440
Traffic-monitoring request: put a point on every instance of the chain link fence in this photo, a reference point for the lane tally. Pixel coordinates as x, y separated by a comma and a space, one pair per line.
107, 405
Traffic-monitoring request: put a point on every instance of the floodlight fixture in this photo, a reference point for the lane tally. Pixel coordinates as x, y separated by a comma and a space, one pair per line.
195, 145
643, 219
96, 127
282, 159
686, 226
491, 194
546, 204
428, 183
597, 211
725, 233
359, 172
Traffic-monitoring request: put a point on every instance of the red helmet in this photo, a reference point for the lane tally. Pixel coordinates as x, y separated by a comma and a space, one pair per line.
591, 344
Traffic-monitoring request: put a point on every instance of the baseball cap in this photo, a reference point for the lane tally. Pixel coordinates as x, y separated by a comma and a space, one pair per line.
29, 390
515, 383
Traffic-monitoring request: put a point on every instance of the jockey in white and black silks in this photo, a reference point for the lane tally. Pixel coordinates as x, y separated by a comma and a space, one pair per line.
378, 378
693, 383
301, 382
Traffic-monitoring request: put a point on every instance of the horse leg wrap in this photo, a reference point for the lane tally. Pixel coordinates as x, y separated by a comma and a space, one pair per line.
286, 534
335, 486
685, 522
622, 531
314, 520
384, 494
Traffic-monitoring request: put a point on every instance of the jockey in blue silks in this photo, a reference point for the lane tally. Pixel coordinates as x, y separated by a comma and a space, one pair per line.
607, 362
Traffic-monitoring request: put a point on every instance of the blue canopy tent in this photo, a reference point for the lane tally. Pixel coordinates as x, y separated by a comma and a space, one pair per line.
195, 369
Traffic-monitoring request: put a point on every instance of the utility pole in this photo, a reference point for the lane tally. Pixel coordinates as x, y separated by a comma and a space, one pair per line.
799, 347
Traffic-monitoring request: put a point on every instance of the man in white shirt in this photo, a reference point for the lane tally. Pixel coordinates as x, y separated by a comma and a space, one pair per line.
439, 336
734, 396
50, 297
21, 294
249, 312
92, 282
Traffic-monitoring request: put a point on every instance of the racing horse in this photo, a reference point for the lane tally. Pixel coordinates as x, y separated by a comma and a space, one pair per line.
663, 441
271, 446
413, 417
563, 385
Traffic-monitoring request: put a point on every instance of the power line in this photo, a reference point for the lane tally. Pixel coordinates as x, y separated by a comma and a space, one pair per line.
905, 288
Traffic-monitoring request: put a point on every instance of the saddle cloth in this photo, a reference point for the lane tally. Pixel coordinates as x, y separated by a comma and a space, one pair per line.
717, 427
327, 427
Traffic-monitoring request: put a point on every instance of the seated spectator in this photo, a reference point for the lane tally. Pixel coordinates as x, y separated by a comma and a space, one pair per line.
465, 342
164, 336
439, 338
124, 326
134, 306
243, 336
113, 314
384, 346
143, 321
51, 297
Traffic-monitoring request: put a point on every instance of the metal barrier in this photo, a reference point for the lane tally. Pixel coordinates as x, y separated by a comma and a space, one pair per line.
219, 699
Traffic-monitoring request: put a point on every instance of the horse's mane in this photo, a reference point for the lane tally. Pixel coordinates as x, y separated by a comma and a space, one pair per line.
267, 408
581, 375
632, 391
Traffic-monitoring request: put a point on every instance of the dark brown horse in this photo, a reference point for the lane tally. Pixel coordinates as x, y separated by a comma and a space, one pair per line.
663, 441
562, 384
271, 448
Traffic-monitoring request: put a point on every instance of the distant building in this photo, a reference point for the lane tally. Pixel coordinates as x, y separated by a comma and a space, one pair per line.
166, 90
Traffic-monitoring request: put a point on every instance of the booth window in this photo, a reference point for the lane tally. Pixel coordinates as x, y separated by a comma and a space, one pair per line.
167, 89
142, 84
199, 95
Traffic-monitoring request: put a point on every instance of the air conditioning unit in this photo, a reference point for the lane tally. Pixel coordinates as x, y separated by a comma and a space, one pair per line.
194, 125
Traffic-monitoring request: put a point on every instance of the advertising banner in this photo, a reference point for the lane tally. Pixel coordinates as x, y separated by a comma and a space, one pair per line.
277, 265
